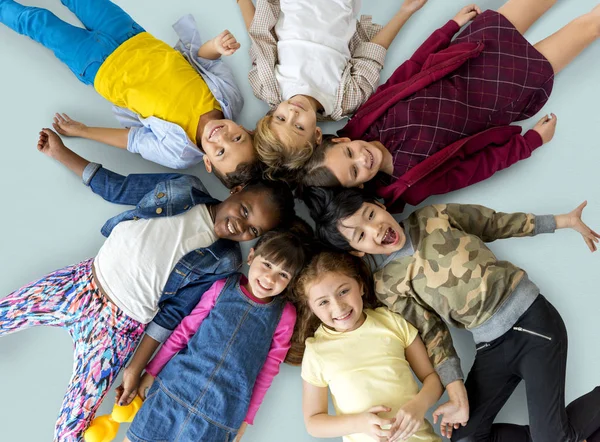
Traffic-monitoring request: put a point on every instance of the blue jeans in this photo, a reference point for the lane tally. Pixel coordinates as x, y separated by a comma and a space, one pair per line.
83, 50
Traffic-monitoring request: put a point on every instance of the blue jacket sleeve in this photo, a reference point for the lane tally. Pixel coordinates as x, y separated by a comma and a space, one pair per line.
121, 189
174, 306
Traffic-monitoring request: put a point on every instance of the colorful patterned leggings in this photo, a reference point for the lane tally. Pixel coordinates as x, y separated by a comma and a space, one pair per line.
103, 335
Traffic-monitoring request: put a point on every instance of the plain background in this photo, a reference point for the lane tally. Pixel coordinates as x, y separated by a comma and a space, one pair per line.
50, 220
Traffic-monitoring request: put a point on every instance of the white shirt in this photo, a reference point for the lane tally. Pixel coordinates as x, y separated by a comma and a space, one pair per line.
312, 47
134, 263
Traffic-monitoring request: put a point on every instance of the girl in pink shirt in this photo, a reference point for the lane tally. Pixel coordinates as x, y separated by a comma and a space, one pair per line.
209, 378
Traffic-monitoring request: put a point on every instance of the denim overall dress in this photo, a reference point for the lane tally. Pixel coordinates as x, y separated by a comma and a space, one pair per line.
203, 393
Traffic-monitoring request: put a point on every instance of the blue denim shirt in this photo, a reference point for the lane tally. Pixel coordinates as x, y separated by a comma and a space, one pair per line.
167, 143
160, 195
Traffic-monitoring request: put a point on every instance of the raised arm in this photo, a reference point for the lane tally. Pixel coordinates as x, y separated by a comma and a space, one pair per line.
223, 44
476, 161
389, 32
247, 8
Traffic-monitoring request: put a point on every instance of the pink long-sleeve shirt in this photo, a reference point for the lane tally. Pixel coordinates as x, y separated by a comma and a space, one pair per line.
191, 323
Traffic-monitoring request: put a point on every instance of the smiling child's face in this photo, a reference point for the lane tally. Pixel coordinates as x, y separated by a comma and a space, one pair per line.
336, 299
226, 145
245, 215
266, 278
294, 122
353, 162
372, 230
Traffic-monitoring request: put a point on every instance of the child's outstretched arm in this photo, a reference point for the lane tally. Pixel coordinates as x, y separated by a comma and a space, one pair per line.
64, 125
128, 389
390, 30
223, 44
319, 423
412, 414
51, 145
248, 10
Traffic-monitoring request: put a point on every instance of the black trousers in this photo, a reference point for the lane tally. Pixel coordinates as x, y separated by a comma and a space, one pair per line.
534, 350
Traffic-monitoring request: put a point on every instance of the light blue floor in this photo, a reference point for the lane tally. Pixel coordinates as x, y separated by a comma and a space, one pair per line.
50, 220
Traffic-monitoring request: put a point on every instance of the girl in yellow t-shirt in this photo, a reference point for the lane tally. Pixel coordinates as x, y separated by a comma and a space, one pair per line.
363, 355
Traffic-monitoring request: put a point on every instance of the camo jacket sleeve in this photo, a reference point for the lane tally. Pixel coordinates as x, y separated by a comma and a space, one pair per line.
490, 225
434, 333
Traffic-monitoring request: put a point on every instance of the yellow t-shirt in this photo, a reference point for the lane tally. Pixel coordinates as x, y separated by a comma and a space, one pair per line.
151, 78
366, 367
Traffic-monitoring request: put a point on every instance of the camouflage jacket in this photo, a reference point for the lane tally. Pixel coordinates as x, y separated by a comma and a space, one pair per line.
452, 276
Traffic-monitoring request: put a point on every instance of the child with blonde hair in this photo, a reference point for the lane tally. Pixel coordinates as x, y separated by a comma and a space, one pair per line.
312, 60
364, 356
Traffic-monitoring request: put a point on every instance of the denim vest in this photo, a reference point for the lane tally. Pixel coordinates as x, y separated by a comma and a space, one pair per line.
159, 195
214, 375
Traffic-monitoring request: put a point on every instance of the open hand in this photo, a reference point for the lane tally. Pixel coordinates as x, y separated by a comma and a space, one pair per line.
574, 221
466, 14
145, 384
546, 127
129, 387
50, 144
412, 6
408, 421
453, 416
64, 125
225, 43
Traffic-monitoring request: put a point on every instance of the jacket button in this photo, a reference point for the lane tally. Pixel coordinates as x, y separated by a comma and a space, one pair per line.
159, 210
160, 195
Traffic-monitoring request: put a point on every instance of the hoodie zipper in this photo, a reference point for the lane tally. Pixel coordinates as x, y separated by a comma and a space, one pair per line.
481, 347
524, 330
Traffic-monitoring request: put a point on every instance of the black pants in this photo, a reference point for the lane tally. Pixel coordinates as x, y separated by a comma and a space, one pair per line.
534, 351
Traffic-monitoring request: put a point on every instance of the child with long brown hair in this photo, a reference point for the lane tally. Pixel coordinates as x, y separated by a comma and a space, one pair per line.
363, 355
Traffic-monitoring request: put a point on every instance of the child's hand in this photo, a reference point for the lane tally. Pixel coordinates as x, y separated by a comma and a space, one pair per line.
408, 421
466, 14
50, 144
225, 43
67, 127
145, 384
573, 220
371, 424
412, 6
546, 127
129, 386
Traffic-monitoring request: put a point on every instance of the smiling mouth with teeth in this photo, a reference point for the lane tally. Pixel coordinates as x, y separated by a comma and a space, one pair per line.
372, 160
390, 237
214, 131
343, 318
230, 227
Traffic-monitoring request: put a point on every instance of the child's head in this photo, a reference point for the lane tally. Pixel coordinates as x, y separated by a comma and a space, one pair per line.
253, 210
275, 261
335, 287
352, 220
229, 152
342, 162
285, 138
